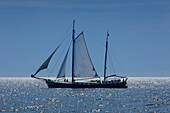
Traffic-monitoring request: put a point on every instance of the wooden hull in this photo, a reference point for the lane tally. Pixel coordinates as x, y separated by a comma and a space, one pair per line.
52, 84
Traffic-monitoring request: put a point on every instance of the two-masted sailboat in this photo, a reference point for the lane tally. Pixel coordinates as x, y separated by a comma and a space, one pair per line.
84, 74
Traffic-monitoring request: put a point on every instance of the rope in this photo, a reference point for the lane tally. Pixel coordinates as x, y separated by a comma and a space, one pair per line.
61, 42
94, 37
68, 29
112, 64
57, 60
119, 64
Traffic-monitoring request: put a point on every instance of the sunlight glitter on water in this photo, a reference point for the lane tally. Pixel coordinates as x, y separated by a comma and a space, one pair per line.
29, 95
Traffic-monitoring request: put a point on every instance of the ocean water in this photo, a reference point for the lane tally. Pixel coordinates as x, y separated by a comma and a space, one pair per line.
142, 95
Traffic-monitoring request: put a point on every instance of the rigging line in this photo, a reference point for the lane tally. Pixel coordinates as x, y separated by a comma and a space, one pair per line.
118, 63
65, 35
57, 60
112, 64
67, 52
94, 37
61, 42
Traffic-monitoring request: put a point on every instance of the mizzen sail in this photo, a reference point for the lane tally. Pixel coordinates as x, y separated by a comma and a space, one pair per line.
45, 64
83, 66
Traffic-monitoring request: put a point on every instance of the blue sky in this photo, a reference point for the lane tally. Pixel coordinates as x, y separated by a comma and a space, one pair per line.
139, 34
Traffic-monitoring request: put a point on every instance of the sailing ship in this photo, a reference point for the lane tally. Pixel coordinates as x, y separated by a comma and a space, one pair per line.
84, 74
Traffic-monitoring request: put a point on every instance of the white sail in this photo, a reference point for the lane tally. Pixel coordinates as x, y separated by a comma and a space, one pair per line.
45, 64
61, 72
83, 66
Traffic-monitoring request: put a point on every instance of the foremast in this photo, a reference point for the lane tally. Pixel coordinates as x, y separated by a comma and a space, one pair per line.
105, 61
73, 52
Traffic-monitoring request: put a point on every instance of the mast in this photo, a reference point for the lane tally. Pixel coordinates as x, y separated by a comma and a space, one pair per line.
105, 61
73, 53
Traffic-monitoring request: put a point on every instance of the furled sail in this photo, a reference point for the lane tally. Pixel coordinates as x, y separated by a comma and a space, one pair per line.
83, 66
45, 64
61, 72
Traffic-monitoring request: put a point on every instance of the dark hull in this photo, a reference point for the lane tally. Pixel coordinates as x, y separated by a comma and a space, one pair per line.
52, 84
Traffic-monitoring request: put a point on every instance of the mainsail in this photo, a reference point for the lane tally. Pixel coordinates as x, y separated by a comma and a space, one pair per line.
83, 66
45, 64
61, 72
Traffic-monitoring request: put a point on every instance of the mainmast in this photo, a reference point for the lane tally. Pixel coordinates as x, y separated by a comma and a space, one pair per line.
73, 53
105, 61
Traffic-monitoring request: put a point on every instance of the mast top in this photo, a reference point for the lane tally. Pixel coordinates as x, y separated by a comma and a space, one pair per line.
73, 23
107, 35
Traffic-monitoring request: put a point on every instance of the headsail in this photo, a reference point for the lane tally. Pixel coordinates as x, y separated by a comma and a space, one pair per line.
45, 64
61, 72
83, 66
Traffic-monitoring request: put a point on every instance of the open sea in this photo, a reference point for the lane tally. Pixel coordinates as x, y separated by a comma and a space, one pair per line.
144, 94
